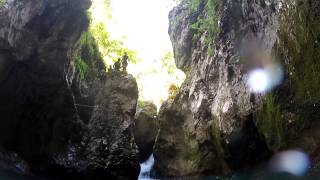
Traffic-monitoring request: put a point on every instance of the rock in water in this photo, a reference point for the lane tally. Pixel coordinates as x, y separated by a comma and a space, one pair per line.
217, 124
107, 148
61, 121
111, 146
145, 129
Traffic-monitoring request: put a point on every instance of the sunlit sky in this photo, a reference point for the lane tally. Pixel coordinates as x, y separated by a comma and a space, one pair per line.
144, 23
143, 27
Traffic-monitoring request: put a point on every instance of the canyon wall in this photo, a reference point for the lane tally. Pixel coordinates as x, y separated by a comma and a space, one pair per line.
61, 114
217, 124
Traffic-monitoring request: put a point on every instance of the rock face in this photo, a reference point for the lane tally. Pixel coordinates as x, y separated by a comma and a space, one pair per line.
111, 144
107, 148
37, 108
217, 124
145, 129
12, 162
60, 112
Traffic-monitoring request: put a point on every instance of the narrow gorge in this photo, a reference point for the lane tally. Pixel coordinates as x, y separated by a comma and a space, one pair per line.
249, 107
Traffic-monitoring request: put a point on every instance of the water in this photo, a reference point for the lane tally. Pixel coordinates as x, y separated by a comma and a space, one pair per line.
264, 174
146, 168
7, 175
144, 172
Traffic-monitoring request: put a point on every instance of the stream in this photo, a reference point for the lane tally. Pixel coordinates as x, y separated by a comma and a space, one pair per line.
146, 168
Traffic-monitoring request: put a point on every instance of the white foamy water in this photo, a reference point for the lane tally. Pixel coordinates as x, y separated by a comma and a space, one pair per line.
146, 168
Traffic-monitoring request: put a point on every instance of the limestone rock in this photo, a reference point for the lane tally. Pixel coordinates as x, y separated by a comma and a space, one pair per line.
38, 117
216, 124
145, 129
60, 123
111, 146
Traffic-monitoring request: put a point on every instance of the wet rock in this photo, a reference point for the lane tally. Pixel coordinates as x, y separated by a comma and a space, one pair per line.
181, 33
62, 122
38, 116
12, 162
145, 129
111, 146
216, 124
107, 148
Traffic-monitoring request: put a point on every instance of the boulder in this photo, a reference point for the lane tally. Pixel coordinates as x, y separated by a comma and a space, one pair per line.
145, 129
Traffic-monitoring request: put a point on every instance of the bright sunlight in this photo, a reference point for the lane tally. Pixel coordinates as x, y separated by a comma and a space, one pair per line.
142, 26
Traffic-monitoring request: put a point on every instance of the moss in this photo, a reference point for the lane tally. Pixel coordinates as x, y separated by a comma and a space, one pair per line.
195, 153
298, 48
299, 45
218, 141
149, 107
85, 56
271, 123
192, 154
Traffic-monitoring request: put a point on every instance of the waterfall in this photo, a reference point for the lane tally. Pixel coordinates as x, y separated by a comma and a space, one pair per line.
146, 168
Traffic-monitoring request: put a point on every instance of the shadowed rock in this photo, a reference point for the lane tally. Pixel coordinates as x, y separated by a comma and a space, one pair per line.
216, 125
145, 129
60, 123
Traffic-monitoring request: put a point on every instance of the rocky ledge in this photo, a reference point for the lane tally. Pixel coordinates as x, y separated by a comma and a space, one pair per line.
58, 118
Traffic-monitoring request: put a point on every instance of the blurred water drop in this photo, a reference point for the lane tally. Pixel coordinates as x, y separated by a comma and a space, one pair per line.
258, 80
293, 162
275, 72
265, 79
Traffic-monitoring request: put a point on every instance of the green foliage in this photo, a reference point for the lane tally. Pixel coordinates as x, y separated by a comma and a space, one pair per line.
81, 66
88, 44
148, 107
141, 104
208, 23
107, 7
109, 48
2, 2
173, 91
194, 5
87, 53
96, 43
162, 70
177, 1
299, 45
168, 63
271, 123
